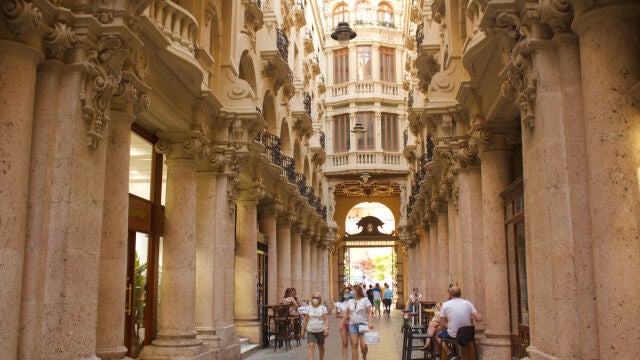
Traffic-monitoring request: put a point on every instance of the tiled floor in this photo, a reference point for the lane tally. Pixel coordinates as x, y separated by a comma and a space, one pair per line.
389, 348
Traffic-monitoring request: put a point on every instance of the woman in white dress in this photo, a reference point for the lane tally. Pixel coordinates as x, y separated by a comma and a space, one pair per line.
359, 313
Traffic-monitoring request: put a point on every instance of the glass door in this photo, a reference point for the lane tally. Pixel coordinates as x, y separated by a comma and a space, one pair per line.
136, 300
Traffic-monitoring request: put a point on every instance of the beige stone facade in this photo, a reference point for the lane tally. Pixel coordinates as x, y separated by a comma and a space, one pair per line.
168, 166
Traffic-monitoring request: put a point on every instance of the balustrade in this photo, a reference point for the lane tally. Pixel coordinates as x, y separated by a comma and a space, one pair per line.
176, 23
322, 140
307, 103
283, 45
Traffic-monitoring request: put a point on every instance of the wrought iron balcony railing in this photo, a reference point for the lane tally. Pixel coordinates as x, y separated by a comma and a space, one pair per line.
273, 146
283, 45
405, 137
419, 35
323, 140
410, 100
307, 103
430, 147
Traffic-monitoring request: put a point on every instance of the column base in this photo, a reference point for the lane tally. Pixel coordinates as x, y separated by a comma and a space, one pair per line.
251, 329
495, 346
116, 353
156, 352
537, 354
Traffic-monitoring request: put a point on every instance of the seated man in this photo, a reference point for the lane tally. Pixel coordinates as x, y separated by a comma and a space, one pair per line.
455, 314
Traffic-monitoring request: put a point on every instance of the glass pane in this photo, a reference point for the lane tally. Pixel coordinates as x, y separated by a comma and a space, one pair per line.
513, 277
139, 296
164, 182
140, 167
160, 252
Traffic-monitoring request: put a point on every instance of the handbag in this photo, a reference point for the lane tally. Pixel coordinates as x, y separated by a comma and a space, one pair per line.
363, 328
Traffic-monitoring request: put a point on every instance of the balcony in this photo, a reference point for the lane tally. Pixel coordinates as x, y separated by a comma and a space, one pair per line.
301, 111
177, 25
298, 14
366, 89
308, 43
275, 55
391, 162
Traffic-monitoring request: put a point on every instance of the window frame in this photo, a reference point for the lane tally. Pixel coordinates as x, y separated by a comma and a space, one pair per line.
341, 66
387, 64
341, 133
389, 133
367, 73
368, 141
385, 14
340, 13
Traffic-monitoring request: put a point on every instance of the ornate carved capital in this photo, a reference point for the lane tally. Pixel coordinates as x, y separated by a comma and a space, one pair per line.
104, 73
467, 154
21, 17
255, 191
271, 207
58, 39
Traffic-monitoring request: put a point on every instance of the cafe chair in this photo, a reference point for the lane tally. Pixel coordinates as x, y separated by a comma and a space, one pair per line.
465, 343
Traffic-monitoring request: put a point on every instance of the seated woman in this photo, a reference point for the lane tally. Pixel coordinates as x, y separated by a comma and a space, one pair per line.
434, 326
289, 299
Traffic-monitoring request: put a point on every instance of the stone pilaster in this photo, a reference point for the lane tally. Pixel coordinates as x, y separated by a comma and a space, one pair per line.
296, 258
268, 218
495, 163
31, 311
610, 69
246, 264
18, 64
443, 272
284, 252
113, 249
424, 261
455, 253
177, 334
306, 264
433, 260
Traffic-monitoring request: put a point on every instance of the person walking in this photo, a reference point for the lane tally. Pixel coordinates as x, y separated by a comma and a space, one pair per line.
387, 299
316, 325
359, 313
341, 309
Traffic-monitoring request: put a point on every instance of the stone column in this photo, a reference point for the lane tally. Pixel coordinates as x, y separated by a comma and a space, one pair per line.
113, 248
206, 292
455, 250
324, 280
39, 198
443, 274
284, 252
18, 64
268, 217
306, 263
609, 52
411, 275
424, 261
495, 159
296, 258
246, 264
433, 260
177, 333
314, 267
471, 238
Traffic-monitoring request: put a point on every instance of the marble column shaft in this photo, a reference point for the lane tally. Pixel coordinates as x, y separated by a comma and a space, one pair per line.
18, 64
443, 273
246, 264
113, 248
496, 175
306, 264
423, 260
206, 186
609, 71
471, 238
284, 253
30, 340
268, 218
296, 259
455, 249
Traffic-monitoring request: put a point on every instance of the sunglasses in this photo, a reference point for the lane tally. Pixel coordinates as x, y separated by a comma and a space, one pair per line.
315, 297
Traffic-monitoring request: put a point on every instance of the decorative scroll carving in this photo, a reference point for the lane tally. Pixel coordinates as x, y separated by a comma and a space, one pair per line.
104, 73
556, 14
21, 17
467, 154
58, 39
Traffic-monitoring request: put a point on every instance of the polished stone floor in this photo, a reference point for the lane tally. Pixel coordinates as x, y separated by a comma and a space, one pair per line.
389, 348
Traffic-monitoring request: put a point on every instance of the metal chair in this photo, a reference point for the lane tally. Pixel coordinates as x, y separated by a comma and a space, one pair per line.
463, 346
412, 333
282, 325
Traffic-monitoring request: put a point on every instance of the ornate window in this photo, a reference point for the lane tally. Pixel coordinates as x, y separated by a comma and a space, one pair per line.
389, 132
366, 142
364, 63
364, 14
340, 13
387, 64
385, 15
341, 66
341, 133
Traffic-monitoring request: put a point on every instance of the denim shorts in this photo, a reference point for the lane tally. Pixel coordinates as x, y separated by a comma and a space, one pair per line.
355, 329
444, 334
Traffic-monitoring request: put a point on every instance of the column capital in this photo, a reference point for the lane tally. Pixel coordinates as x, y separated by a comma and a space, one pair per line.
271, 207
494, 139
254, 192
285, 219
296, 227
181, 145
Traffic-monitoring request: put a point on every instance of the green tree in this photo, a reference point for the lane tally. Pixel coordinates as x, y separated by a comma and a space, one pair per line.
381, 267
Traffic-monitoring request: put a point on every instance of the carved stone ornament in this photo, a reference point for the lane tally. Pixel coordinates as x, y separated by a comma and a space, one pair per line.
521, 83
467, 154
58, 39
21, 17
233, 191
104, 73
